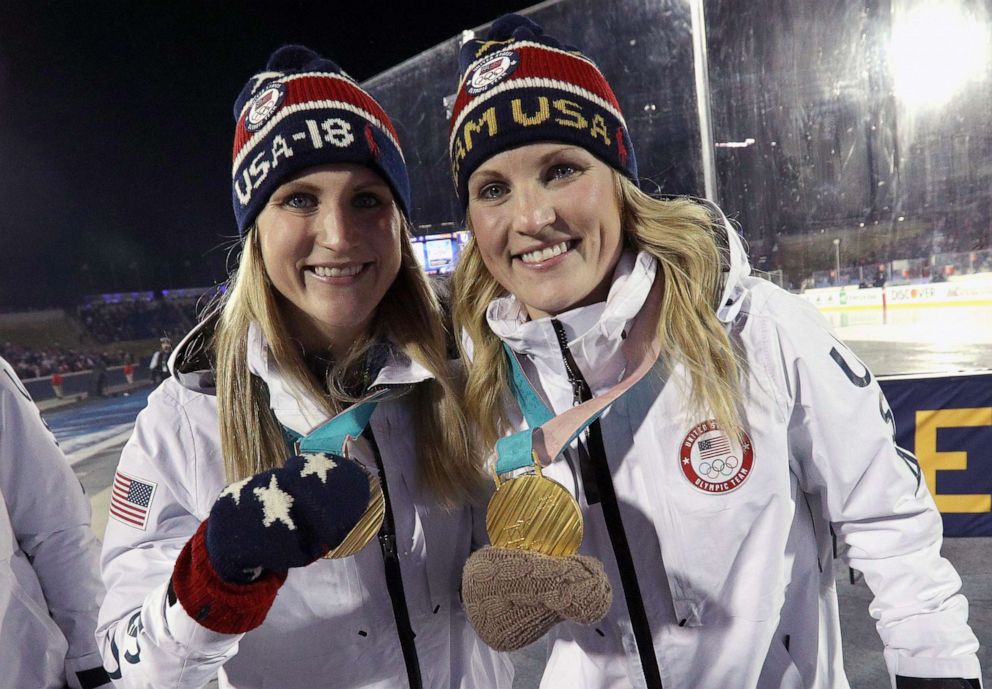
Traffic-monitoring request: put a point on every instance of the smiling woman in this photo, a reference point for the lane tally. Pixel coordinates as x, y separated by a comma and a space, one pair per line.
330, 242
664, 425
327, 349
546, 222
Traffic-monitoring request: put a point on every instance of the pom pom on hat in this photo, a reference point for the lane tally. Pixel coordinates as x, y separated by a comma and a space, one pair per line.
515, 26
303, 110
299, 57
509, 27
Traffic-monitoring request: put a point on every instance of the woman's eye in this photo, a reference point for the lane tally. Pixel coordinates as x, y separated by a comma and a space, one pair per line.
299, 201
561, 170
366, 200
491, 192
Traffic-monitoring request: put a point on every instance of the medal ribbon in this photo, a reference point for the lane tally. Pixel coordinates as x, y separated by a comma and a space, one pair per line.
549, 435
332, 435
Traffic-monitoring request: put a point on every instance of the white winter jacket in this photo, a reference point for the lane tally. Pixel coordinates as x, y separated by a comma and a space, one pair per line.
332, 622
733, 551
50, 587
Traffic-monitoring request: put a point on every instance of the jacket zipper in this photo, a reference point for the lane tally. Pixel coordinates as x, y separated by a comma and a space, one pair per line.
600, 470
580, 393
394, 577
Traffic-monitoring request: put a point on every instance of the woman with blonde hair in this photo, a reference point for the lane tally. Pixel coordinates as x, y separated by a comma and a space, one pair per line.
667, 428
224, 557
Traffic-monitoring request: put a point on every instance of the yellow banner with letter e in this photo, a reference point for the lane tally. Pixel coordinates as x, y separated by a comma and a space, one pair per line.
946, 421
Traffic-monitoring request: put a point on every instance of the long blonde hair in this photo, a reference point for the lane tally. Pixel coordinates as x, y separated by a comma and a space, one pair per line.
408, 316
682, 235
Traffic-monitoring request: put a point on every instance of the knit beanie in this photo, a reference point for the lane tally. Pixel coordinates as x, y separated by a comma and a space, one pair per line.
302, 110
519, 86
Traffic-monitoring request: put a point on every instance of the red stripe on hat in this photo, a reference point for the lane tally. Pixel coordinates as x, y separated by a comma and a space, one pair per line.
539, 62
319, 87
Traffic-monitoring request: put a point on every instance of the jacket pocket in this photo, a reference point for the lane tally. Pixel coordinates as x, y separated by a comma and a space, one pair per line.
718, 569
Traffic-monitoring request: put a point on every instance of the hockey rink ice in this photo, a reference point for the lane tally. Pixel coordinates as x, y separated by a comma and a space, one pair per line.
952, 327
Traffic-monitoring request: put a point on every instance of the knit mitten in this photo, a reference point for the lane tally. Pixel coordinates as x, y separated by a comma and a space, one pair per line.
228, 574
513, 597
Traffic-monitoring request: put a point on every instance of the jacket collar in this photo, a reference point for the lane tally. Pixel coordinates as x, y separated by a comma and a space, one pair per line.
594, 332
736, 267
190, 362
291, 405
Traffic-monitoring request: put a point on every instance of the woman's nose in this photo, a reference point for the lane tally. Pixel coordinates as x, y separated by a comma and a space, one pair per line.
334, 231
535, 211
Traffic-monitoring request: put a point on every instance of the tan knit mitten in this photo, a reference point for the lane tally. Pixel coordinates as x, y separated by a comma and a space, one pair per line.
513, 597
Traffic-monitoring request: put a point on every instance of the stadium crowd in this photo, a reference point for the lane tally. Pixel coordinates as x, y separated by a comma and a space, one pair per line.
35, 363
137, 320
105, 324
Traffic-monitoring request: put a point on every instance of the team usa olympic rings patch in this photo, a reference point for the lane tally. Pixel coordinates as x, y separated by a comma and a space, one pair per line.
264, 105
711, 463
491, 71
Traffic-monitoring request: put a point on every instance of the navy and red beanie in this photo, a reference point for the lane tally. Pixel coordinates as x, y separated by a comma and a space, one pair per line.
519, 86
302, 110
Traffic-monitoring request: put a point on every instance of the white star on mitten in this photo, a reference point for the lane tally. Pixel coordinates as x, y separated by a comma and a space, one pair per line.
275, 504
234, 490
318, 465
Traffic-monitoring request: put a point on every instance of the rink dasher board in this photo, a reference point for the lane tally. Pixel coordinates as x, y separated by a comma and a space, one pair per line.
945, 420
973, 292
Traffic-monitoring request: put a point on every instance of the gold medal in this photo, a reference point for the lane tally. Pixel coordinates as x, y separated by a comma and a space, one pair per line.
370, 523
536, 514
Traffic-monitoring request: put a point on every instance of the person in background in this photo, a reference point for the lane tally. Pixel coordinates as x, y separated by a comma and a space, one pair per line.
50, 589
159, 364
57, 384
128, 369
709, 489
329, 323
98, 385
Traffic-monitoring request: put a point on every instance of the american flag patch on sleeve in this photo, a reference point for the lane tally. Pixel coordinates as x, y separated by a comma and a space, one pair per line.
130, 500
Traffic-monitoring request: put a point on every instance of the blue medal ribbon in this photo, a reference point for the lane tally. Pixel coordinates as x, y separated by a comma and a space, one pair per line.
331, 435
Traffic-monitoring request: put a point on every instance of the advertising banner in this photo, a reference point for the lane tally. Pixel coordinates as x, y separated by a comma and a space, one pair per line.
946, 421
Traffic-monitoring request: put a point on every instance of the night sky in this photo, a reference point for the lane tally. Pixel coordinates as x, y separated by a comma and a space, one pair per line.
116, 127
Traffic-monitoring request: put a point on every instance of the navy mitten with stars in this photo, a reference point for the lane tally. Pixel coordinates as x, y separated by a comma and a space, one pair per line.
285, 517
228, 574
